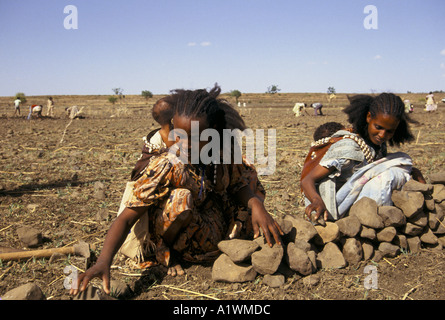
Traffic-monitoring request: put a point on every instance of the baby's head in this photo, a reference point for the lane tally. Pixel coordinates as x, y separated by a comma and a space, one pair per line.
163, 111
327, 129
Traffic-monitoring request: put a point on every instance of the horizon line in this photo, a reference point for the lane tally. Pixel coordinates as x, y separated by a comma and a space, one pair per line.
225, 93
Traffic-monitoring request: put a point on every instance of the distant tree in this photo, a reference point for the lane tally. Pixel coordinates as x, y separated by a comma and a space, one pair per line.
118, 92
21, 96
272, 89
147, 94
236, 94
331, 94
112, 99
331, 90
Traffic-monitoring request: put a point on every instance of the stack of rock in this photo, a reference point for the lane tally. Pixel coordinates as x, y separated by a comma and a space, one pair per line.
415, 221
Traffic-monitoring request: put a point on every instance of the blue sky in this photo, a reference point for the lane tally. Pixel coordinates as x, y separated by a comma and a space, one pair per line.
248, 45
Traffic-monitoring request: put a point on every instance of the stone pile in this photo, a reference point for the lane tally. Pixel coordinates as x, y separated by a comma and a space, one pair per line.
415, 221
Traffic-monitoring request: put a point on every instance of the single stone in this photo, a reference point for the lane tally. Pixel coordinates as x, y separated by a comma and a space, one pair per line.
29, 236
349, 226
303, 245
429, 203
329, 233
224, 269
285, 225
429, 237
268, 259
386, 234
368, 249
368, 233
298, 260
413, 185
414, 244
29, 291
365, 210
238, 250
378, 255
352, 251
304, 229
391, 216
420, 219
439, 193
273, 281
388, 249
401, 241
98, 186
99, 195
411, 229
437, 178
331, 257
409, 202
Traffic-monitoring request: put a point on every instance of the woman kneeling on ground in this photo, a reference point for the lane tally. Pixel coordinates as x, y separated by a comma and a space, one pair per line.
359, 166
188, 208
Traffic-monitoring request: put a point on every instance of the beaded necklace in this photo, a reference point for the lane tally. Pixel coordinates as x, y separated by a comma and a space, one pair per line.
361, 143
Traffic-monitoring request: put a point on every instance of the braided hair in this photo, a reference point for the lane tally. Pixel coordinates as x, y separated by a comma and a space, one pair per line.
386, 103
218, 113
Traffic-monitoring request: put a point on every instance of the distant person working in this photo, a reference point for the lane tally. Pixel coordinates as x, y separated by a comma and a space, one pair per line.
17, 106
35, 110
317, 108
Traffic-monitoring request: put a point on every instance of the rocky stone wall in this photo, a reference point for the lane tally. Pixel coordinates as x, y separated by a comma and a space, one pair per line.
368, 232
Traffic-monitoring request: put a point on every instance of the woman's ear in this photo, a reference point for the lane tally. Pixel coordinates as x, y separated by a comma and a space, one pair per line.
368, 117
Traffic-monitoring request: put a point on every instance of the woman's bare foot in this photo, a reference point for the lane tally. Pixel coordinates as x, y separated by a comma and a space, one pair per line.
175, 270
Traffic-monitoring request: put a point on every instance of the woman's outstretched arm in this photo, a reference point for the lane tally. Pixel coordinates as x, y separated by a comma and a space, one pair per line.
115, 238
310, 191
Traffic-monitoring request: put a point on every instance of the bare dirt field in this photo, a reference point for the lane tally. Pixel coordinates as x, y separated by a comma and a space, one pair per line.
49, 184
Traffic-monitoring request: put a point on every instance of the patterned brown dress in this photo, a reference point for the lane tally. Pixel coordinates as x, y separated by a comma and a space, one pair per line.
169, 188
